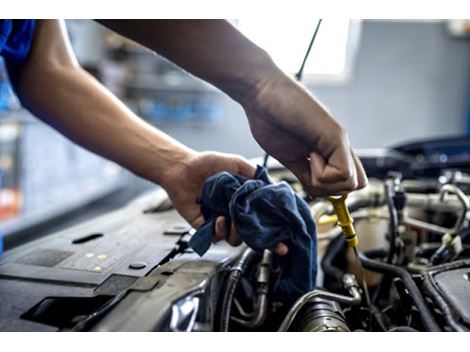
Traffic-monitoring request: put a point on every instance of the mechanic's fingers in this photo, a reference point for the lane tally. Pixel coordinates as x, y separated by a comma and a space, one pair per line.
336, 184
234, 239
198, 222
222, 232
338, 167
246, 169
220, 229
327, 172
281, 249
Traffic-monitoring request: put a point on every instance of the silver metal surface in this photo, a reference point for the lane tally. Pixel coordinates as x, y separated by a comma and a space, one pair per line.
452, 189
261, 307
349, 282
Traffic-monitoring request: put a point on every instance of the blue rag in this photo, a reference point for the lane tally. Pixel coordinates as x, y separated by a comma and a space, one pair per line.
263, 214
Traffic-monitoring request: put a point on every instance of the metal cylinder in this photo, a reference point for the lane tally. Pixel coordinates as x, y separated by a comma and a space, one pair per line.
322, 315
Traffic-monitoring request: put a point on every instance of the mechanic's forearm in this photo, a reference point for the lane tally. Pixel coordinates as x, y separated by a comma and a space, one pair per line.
210, 49
74, 103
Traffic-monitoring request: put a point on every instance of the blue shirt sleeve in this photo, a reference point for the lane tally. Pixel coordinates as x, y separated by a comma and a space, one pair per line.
16, 37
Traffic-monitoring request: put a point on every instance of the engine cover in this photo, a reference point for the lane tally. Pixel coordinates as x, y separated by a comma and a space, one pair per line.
452, 282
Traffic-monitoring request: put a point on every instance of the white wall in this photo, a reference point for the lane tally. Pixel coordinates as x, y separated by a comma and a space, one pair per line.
410, 80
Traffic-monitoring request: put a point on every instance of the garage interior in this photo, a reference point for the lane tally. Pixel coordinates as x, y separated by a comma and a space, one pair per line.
86, 245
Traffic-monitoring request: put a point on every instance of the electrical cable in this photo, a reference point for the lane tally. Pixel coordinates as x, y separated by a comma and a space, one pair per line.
265, 160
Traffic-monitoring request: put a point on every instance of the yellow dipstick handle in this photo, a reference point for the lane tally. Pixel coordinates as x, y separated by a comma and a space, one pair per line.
345, 220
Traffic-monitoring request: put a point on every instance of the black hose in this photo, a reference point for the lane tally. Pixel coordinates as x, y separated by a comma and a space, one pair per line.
236, 273
376, 253
427, 318
336, 246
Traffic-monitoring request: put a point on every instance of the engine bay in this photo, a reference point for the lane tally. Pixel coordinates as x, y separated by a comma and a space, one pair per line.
132, 269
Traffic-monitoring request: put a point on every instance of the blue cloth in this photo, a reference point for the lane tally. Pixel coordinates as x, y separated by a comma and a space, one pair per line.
16, 37
263, 214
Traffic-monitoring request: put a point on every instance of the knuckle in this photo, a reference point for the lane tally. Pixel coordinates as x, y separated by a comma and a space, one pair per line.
352, 184
362, 184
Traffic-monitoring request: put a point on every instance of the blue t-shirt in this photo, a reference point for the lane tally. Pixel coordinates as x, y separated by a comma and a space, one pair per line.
16, 37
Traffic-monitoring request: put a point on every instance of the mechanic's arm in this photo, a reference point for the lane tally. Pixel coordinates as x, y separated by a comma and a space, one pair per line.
285, 119
53, 86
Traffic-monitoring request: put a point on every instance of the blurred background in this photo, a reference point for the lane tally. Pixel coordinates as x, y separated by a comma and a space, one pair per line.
387, 82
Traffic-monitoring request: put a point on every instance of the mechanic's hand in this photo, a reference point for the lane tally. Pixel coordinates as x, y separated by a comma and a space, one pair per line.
184, 181
295, 129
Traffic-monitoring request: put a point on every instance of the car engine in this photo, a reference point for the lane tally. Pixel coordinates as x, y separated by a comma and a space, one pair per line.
132, 269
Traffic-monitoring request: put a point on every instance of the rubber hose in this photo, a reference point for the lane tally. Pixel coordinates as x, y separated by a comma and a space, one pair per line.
231, 285
335, 247
427, 318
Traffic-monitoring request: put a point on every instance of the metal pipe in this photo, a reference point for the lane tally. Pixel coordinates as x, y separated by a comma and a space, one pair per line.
433, 202
329, 235
261, 309
402, 329
426, 226
319, 209
260, 314
465, 204
374, 195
